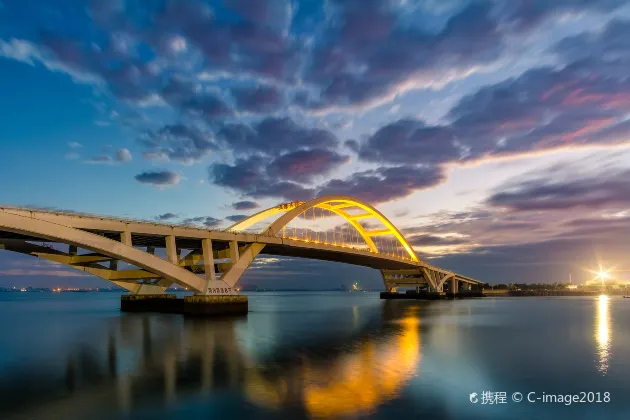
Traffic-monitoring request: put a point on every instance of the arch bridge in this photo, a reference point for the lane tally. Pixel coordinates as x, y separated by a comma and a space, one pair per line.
211, 262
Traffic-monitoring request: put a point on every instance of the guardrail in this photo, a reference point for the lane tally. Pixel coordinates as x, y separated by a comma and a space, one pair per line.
101, 217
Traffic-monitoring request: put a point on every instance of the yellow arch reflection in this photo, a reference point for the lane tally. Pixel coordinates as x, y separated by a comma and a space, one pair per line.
603, 333
355, 384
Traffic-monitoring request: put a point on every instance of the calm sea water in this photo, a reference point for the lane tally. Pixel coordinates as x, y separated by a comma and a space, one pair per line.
314, 355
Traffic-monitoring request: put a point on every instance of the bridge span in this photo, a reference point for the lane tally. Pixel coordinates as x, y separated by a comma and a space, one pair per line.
211, 262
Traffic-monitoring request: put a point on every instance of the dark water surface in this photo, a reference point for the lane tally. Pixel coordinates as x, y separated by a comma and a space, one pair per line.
313, 355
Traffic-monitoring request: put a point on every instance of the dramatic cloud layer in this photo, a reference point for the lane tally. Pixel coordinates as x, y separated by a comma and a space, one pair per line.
608, 190
377, 99
584, 103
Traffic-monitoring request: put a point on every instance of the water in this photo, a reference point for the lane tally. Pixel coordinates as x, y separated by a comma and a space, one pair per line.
313, 355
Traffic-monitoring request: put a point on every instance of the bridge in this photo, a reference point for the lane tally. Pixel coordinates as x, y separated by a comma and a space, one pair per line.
211, 262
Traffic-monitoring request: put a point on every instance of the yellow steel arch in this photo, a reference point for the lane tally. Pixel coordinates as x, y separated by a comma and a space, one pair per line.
334, 204
262, 215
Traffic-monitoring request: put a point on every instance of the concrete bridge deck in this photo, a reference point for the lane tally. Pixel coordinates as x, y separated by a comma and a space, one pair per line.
222, 256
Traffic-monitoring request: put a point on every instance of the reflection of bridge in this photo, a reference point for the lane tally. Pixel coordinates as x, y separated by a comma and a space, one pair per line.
175, 358
222, 255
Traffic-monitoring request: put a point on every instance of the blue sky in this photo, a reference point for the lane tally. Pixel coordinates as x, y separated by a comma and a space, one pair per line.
493, 133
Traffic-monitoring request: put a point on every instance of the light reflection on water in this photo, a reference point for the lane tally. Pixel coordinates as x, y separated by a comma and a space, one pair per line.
310, 356
603, 333
356, 383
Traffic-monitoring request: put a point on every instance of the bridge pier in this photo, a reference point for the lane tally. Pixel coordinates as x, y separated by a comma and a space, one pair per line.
198, 305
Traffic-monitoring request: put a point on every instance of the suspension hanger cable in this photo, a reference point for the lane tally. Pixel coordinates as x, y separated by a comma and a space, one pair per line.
326, 232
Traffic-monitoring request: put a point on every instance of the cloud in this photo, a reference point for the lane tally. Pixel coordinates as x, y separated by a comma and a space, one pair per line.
279, 155
274, 136
236, 217
207, 221
74, 145
304, 165
274, 13
29, 53
120, 156
211, 222
177, 142
353, 145
584, 103
410, 141
167, 216
542, 261
432, 240
184, 96
609, 190
350, 53
245, 205
384, 184
371, 52
160, 178
249, 177
393, 57
123, 155
258, 99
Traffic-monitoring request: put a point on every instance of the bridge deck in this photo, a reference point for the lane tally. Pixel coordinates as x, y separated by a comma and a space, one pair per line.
152, 234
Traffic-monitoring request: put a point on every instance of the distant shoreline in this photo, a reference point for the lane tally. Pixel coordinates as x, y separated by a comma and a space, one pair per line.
182, 291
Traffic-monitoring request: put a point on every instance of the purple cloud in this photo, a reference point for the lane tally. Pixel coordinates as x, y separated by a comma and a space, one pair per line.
274, 136
304, 165
384, 184
604, 190
258, 99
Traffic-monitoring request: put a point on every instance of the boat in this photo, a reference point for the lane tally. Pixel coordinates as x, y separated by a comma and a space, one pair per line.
627, 297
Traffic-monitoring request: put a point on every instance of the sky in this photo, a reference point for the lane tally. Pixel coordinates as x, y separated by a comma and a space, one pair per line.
492, 133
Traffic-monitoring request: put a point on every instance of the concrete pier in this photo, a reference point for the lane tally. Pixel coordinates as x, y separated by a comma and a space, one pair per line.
151, 303
212, 305
216, 305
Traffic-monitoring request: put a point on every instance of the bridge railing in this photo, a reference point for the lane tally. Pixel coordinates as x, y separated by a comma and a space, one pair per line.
73, 213
295, 238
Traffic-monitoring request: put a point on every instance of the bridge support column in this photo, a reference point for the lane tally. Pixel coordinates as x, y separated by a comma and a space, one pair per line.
136, 289
125, 238
240, 263
454, 285
208, 265
234, 256
171, 250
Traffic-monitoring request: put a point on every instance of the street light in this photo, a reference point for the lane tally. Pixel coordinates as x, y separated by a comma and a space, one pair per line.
603, 275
